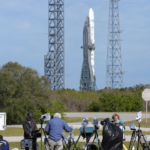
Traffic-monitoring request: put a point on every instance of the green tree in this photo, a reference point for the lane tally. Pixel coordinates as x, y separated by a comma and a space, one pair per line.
23, 90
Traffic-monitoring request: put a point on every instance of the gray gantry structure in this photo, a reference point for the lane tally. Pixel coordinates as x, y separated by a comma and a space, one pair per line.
114, 74
54, 60
88, 79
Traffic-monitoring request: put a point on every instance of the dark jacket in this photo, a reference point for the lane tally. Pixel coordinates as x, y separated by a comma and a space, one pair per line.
28, 128
4, 145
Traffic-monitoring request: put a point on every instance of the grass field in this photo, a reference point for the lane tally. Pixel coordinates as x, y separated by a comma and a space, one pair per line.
12, 132
77, 132
77, 119
19, 131
80, 145
143, 123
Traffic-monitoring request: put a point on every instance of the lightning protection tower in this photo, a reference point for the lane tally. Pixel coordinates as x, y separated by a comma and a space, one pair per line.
114, 74
54, 60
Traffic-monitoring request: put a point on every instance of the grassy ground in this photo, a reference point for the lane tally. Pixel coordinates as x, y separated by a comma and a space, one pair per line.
143, 112
72, 120
77, 119
143, 123
19, 131
80, 145
12, 132
77, 132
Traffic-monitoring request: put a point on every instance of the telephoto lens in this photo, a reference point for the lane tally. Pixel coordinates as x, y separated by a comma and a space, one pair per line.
71, 128
96, 126
95, 121
102, 122
85, 122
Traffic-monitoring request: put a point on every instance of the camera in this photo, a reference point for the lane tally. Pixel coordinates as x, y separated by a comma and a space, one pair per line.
26, 143
45, 117
85, 122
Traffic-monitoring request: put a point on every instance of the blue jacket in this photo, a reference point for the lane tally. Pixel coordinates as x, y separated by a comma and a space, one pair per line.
55, 127
4, 145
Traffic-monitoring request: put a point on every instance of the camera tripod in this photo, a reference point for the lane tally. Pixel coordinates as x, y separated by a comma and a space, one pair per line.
141, 139
42, 131
70, 143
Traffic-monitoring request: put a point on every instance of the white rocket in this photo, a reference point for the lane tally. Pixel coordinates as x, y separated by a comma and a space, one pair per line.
88, 78
92, 41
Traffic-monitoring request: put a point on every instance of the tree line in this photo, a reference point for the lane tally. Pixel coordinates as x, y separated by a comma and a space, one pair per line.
22, 90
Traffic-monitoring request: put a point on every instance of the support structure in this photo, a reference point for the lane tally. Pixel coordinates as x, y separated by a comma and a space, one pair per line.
54, 66
114, 74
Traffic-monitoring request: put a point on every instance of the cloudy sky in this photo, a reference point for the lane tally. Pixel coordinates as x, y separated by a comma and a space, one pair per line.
24, 39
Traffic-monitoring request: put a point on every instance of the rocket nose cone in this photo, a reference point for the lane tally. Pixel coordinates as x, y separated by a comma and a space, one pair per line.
91, 10
91, 13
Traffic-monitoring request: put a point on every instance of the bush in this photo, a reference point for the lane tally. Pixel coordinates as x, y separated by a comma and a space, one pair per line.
94, 106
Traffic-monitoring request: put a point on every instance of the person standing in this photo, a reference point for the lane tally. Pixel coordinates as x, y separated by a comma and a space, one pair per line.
118, 122
54, 129
29, 125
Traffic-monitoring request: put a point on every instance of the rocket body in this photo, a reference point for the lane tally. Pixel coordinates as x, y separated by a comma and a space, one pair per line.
91, 25
88, 79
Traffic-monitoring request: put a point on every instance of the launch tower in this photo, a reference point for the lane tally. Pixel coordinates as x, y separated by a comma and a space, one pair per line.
54, 60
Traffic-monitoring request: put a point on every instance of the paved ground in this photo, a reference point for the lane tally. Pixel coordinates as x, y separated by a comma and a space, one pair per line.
123, 116
19, 138
77, 125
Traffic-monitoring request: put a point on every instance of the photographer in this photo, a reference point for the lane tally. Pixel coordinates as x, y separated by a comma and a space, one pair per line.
54, 129
29, 125
117, 122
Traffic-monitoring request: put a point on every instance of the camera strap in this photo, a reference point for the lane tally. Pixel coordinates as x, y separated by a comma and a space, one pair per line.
30, 126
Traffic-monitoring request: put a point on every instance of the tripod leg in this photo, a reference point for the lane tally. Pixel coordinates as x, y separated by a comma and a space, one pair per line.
78, 138
73, 144
94, 139
37, 147
138, 142
132, 140
46, 138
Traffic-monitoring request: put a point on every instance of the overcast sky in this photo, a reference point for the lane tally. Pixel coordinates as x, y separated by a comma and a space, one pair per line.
24, 39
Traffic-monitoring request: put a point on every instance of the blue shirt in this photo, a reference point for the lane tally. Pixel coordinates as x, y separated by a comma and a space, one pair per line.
4, 145
55, 127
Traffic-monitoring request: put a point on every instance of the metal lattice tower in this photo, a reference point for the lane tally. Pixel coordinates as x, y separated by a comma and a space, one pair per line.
114, 74
54, 60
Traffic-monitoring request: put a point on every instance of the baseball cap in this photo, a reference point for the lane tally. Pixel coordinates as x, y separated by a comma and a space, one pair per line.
29, 115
